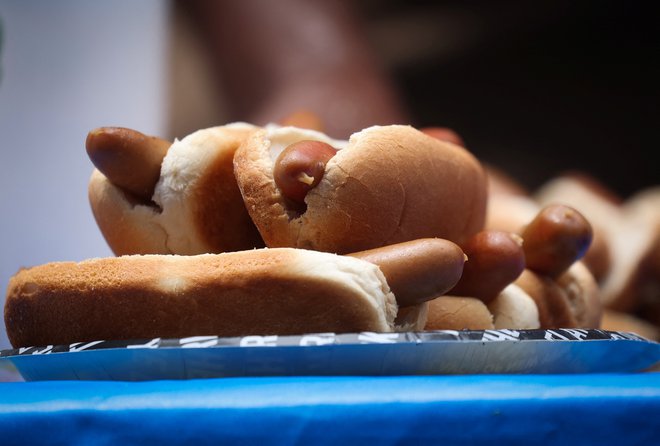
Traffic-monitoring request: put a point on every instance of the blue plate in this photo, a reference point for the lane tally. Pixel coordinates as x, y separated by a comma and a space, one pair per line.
559, 351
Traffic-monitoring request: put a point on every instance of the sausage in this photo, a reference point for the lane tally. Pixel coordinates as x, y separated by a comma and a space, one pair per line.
128, 158
300, 167
495, 259
444, 134
556, 238
418, 270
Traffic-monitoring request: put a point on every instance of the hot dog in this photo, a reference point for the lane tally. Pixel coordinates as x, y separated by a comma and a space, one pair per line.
391, 193
628, 271
195, 205
409, 274
267, 291
419, 270
494, 260
385, 185
534, 280
572, 300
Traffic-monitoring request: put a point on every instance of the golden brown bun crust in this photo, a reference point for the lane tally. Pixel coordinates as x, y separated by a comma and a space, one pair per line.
389, 184
129, 226
458, 313
202, 207
260, 292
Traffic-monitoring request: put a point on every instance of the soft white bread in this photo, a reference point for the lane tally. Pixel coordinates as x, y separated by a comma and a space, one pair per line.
386, 185
196, 207
257, 292
412, 318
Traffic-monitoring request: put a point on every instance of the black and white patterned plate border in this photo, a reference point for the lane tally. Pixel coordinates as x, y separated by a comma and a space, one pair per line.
325, 339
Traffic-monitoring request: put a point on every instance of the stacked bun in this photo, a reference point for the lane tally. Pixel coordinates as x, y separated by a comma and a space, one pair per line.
385, 185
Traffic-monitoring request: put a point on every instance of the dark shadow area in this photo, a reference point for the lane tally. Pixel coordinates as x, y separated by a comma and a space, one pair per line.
544, 87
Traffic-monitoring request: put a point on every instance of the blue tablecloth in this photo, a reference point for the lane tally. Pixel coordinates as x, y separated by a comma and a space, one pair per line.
603, 409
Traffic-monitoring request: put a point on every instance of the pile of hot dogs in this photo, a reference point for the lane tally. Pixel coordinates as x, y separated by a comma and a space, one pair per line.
624, 256
241, 229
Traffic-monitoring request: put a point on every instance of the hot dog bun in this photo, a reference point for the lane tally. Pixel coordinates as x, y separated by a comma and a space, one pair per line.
129, 225
196, 206
386, 185
533, 301
571, 300
256, 292
458, 313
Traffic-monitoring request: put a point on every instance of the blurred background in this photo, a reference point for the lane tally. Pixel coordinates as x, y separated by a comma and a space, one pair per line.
534, 88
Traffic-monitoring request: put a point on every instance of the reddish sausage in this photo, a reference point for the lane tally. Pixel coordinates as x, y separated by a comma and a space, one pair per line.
495, 259
300, 167
557, 237
418, 270
128, 158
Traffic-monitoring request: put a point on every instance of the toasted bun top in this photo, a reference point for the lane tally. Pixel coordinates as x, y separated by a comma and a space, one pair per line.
388, 184
267, 291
